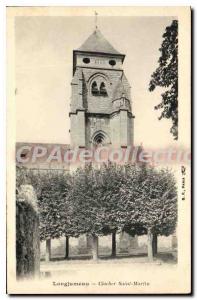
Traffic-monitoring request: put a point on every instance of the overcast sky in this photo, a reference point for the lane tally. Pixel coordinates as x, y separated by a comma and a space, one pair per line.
44, 48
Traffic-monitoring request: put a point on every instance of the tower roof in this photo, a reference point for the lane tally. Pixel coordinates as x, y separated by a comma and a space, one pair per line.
96, 42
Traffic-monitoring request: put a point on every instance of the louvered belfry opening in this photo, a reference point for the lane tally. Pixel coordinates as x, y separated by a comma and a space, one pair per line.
99, 92
103, 91
95, 91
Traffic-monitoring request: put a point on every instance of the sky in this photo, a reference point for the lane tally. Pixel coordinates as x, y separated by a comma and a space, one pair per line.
43, 55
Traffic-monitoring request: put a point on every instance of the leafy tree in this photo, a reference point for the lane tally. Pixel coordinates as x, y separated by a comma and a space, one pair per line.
150, 196
99, 201
112, 178
166, 76
129, 194
54, 212
95, 197
86, 209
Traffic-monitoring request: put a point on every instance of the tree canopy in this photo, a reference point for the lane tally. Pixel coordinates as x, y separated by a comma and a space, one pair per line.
51, 188
95, 199
129, 198
152, 200
166, 76
99, 201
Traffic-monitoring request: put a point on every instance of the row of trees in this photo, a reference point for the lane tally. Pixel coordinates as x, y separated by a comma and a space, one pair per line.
107, 200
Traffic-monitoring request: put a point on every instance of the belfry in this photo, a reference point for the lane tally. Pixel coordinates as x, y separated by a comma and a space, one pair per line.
100, 110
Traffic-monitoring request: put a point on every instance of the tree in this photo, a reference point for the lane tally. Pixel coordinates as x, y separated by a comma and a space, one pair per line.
87, 209
112, 178
166, 76
100, 201
54, 212
95, 197
150, 197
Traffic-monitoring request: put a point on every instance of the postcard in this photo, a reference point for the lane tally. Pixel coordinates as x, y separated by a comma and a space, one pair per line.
98, 150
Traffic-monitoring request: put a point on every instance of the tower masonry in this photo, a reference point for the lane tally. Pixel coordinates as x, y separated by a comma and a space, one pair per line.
100, 110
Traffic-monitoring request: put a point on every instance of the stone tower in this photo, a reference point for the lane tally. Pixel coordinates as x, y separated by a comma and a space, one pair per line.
100, 111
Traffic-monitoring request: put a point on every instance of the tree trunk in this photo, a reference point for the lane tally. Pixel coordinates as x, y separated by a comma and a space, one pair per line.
150, 245
89, 243
113, 254
48, 250
95, 247
154, 244
174, 241
67, 247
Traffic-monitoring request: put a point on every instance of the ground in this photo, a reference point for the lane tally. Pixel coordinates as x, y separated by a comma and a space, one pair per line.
81, 263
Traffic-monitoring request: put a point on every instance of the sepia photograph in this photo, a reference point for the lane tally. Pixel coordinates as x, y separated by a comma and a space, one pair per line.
98, 150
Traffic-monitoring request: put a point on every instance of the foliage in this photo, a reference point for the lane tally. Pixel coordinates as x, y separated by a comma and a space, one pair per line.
129, 198
151, 201
51, 188
111, 178
84, 198
166, 76
52, 206
103, 200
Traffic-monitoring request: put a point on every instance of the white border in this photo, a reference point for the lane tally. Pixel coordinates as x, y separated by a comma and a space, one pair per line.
3, 5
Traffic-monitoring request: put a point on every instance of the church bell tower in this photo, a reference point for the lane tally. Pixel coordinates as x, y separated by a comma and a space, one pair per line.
100, 110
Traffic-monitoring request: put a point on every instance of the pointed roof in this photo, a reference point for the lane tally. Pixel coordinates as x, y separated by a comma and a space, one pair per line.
96, 42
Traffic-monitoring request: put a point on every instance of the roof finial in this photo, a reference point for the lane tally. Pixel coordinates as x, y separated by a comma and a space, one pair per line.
96, 14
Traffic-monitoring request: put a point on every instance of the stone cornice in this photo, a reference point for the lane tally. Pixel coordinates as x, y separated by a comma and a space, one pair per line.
103, 114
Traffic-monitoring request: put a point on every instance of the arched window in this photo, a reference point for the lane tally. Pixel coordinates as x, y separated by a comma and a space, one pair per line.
99, 139
103, 91
95, 90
